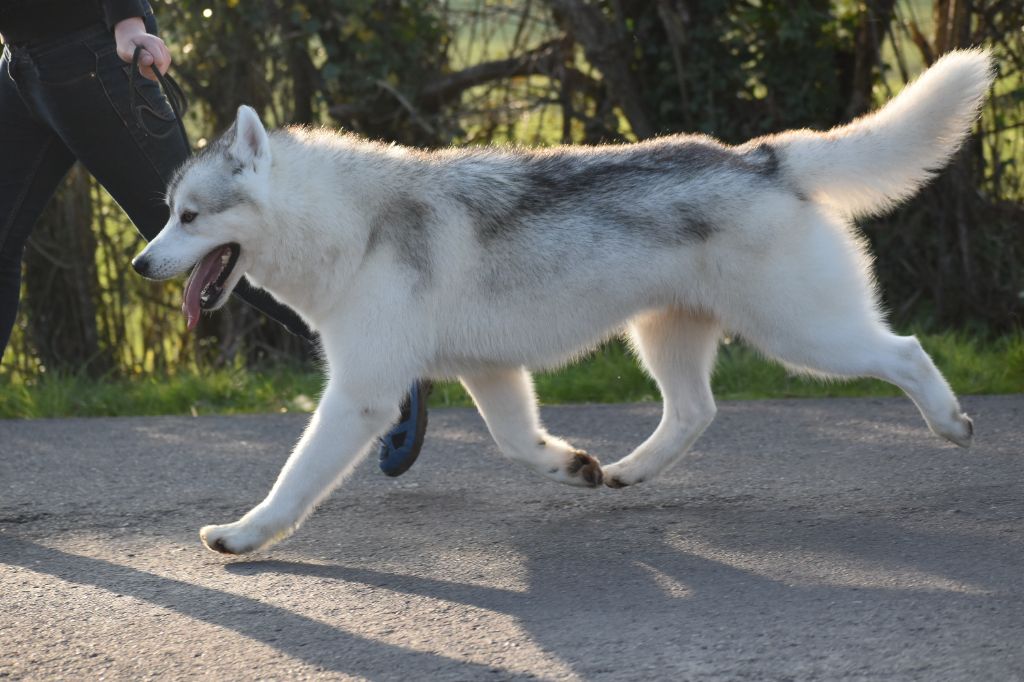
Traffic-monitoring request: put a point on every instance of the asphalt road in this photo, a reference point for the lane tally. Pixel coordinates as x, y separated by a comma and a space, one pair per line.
803, 540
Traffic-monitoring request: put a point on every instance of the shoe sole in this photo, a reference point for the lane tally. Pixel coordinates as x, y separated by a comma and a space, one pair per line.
425, 388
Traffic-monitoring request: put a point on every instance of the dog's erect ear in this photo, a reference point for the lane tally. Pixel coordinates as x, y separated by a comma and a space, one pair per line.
251, 146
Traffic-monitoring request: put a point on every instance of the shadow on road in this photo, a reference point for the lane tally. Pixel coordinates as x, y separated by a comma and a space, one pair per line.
783, 554
670, 580
753, 581
290, 633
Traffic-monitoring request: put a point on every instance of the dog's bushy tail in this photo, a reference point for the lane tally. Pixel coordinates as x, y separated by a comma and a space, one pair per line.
881, 159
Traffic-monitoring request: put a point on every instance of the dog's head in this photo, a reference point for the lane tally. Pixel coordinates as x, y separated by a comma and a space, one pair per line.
215, 203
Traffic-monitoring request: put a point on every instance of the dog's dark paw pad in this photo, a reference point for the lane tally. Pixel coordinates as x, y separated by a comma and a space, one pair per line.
593, 476
586, 467
219, 546
578, 461
616, 482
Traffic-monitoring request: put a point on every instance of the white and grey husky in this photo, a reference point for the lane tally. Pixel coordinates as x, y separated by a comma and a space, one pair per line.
479, 263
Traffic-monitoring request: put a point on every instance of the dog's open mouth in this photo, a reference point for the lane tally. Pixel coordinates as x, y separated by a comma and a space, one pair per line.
205, 286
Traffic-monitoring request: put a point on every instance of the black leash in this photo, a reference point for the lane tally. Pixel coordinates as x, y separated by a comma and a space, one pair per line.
175, 97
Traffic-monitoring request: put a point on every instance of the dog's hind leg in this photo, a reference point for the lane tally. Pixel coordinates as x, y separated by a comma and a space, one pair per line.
678, 349
507, 402
810, 304
870, 350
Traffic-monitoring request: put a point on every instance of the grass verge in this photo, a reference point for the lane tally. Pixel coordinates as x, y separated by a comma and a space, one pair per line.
608, 375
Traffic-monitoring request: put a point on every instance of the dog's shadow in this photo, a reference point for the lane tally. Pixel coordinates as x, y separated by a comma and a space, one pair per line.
592, 603
602, 589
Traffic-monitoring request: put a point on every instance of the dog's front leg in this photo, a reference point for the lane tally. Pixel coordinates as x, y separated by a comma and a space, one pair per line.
509, 406
339, 434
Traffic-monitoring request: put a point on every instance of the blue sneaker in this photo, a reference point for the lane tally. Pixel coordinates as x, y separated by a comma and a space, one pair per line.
400, 446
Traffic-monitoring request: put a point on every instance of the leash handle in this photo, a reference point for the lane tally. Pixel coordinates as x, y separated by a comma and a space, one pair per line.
175, 97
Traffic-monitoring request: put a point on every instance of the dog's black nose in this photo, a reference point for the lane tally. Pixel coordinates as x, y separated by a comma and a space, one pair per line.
141, 265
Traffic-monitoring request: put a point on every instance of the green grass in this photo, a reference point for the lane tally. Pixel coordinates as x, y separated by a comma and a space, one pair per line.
608, 375
215, 392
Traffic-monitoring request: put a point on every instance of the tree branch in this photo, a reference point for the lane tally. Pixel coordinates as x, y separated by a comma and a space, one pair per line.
548, 59
607, 47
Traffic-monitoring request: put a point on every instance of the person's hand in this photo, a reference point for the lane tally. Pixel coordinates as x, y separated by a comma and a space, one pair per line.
130, 33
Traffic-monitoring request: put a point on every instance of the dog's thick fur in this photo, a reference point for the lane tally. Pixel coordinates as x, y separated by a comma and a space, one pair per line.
479, 262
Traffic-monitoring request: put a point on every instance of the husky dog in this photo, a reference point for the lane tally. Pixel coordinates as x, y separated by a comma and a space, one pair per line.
479, 263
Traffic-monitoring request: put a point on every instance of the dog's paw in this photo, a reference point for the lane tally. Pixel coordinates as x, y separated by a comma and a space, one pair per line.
960, 430
578, 469
618, 476
235, 538
584, 470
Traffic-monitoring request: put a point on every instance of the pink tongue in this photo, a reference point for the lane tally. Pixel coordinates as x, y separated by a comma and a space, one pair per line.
203, 274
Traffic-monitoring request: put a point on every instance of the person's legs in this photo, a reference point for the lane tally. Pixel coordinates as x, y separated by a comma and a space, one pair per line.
82, 91
132, 157
34, 161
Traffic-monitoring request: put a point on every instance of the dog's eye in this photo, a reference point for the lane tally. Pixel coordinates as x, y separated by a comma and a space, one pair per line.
188, 216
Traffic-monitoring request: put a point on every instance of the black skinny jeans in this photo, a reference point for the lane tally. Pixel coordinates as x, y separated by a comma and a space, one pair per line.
67, 99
